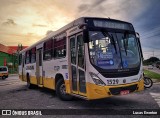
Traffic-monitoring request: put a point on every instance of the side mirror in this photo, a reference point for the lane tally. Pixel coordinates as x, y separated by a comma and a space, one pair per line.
137, 35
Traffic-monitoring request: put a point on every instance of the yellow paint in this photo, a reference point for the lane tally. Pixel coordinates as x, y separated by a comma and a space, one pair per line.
93, 91
83, 94
3, 74
67, 84
49, 83
33, 80
141, 85
41, 80
97, 92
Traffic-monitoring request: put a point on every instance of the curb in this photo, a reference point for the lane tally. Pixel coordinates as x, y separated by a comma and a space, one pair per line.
155, 80
156, 83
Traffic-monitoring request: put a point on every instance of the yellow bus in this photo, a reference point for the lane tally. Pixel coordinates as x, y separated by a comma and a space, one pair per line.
90, 58
3, 72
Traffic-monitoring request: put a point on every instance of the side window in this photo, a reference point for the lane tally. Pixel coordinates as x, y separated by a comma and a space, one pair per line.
20, 59
27, 57
40, 58
47, 52
60, 47
33, 55
73, 50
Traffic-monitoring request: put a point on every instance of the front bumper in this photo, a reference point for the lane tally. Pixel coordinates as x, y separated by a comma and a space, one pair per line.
97, 92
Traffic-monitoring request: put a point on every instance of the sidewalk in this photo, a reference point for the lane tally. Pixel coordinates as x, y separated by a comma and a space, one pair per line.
155, 80
13, 74
153, 69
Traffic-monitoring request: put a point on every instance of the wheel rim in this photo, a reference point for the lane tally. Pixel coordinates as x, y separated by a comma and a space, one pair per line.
147, 83
63, 89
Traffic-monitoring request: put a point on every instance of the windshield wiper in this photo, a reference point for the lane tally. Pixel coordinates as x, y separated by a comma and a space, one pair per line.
106, 34
125, 43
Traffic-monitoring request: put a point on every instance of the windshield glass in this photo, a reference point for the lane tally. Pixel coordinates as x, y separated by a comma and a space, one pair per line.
110, 50
3, 69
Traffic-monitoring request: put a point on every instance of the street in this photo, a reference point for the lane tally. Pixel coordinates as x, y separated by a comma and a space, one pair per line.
14, 94
152, 68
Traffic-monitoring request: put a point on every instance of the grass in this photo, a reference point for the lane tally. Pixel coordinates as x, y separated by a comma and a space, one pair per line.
152, 75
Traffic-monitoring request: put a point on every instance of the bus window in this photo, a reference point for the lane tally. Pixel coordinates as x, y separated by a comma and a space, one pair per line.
33, 55
47, 54
20, 59
73, 50
60, 47
27, 57
80, 45
40, 57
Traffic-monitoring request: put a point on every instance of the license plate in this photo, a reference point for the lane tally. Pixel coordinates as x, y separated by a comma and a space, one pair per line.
124, 92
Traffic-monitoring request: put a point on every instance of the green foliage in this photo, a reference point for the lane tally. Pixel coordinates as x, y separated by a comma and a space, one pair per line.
150, 61
152, 75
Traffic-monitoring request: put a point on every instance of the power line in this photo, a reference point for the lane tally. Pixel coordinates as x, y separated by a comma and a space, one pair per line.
152, 30
150, 33
151, 36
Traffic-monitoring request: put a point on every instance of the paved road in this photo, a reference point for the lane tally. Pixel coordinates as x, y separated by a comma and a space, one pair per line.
15, 95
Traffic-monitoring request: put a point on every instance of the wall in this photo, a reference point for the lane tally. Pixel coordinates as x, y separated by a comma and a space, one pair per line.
9, 59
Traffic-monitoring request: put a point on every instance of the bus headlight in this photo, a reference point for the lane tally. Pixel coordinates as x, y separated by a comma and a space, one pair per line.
96, 79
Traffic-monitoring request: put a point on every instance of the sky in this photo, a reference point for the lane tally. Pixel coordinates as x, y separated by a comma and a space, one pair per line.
27, 21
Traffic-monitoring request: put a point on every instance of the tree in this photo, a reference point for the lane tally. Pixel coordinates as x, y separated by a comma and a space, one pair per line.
150, 61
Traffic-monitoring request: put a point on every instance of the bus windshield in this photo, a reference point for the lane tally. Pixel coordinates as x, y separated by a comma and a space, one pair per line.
111, 50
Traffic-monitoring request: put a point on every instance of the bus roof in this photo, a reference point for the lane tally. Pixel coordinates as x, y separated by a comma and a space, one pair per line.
76, 22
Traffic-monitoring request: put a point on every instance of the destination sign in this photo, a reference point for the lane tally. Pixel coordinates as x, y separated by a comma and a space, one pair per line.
112, 24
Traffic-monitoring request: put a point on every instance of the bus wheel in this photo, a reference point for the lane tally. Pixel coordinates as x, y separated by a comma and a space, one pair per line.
61, 91
3, 77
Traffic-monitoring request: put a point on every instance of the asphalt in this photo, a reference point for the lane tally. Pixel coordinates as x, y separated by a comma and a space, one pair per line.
18, 96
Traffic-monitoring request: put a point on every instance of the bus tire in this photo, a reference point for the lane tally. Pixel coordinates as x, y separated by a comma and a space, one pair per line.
61, 92
3, 77
29, 85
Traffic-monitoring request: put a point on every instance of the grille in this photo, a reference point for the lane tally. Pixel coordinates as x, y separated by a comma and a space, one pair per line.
116, 91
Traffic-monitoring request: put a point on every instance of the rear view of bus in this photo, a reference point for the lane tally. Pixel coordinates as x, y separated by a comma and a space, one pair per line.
112, 63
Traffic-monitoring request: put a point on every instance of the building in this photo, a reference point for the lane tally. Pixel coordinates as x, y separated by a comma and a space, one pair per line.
8, 57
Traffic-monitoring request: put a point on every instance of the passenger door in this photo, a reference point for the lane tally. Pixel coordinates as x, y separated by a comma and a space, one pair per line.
77, 65
23, 68
39, 67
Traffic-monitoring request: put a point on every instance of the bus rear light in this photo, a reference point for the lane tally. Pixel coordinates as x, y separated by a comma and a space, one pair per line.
96, 79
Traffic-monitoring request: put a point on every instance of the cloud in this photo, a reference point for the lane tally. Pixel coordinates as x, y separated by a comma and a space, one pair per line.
25, 39
92, 5
9, 22
38, 25
19, 17
148, 25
